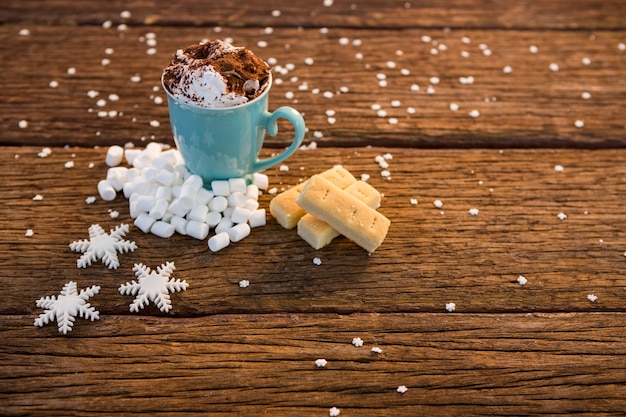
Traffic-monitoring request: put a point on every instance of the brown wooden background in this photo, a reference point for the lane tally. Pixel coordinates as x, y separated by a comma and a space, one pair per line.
539, 349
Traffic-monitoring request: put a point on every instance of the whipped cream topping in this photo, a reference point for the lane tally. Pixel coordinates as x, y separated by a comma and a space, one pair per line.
216, 74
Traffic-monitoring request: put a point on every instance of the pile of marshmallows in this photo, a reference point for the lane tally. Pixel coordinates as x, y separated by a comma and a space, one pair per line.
165, 198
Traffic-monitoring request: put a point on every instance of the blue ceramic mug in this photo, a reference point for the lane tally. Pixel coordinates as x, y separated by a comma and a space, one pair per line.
223, 143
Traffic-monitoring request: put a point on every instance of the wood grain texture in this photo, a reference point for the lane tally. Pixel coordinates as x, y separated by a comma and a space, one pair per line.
452, 364
430, 256
531, 106
543, 348
534, 14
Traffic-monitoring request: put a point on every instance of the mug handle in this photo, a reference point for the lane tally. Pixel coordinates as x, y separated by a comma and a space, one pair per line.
269, 123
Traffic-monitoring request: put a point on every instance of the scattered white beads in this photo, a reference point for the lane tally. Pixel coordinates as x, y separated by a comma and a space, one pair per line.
592, 297
450, 307
522, 280
402, 389
358, 342
321, 363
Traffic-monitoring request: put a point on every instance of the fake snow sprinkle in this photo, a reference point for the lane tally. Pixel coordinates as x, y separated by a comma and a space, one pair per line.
579, 123
585, 95
450, 307
67, 306
558, 168
334, 412
154, 286
321, 363
562, 216
592, 297
402, 389
103, 246
474, 113
29, 233
53, 84
24, 32
90, 200
533, 49
522, 280
317, 261
554, 67
473, 212
357, 342
38, 197
244, 283
413, 201
376, 349
438, 204
23, 124
454, 107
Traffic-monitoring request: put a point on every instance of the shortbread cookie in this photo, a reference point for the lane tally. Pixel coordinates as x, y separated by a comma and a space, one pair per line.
284, 208
318, 233
344, 213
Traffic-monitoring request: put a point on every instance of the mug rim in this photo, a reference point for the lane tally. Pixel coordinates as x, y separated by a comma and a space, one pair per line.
218, 109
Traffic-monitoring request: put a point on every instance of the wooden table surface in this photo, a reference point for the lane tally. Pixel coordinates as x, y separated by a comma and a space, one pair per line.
517, 109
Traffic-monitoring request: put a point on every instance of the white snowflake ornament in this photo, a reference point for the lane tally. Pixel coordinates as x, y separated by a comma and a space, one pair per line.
154, 286
67, 306
103, 246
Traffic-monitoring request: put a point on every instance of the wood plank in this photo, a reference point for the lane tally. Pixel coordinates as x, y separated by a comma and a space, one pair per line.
534, 14
530, 107
430, 257
452, 364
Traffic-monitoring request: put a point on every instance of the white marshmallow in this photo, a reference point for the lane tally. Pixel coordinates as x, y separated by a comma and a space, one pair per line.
197, 229
165, 176
130, 155
114, 156
180, 224
238, 232
116, 176
141, 185
150, 174
189, 190
153, 149
252, 204
203, 197
223, 225
163, 192
162, 229
218, 203
198, 213
106, 191
237, 199
145, 203
159, 208
133, 211
220, 187
237, 185
128, 189
240, 215
219, 241
252, 192
131, 173
144, 222
257, 218
260, 180
213, 218
177, 209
